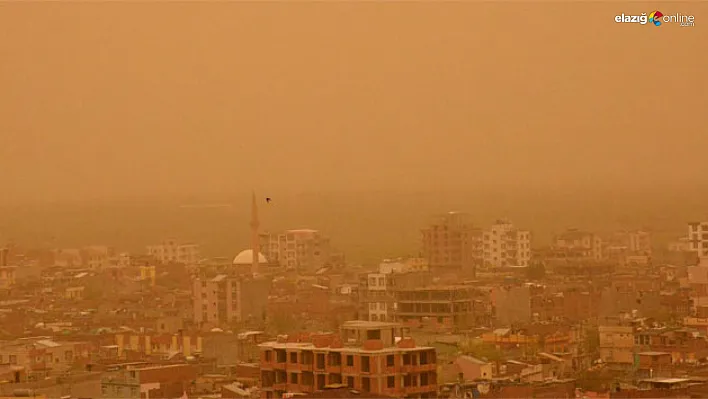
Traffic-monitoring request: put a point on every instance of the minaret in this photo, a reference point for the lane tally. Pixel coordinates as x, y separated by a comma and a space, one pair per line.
255, 240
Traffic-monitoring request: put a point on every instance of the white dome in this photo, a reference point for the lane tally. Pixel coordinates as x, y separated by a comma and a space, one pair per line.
245, 257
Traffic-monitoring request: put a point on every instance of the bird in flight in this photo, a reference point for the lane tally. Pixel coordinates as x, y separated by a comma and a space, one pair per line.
268, 200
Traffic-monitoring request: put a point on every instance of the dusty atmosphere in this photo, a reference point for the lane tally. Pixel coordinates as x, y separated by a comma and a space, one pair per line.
495, 199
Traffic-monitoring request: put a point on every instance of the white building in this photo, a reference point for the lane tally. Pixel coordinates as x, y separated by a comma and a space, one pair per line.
172, 252
698, 238
505, 245
303, 249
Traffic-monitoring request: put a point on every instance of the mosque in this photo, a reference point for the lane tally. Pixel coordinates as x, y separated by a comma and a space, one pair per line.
234, 293
245, 262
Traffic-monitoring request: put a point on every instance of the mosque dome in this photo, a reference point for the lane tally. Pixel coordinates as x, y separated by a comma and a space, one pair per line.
245, 257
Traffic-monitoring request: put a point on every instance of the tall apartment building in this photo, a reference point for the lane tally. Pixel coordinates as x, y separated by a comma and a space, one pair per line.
226, 299
452, 243
698, 237
170, 251
505, 245
303, 249
574, 244
371, 357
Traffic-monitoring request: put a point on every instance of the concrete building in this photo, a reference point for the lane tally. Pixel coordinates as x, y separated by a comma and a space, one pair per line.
225, 299
170, 251
698, 238
7, 277
574, 244
697, 280
304, 250
617, 345
371, 357
505, 245
161, 381
157, 344
452, 243
456, 306
377, 291
241, 294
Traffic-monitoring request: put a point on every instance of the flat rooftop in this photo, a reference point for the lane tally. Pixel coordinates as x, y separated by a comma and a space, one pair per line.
344, 349
364, 324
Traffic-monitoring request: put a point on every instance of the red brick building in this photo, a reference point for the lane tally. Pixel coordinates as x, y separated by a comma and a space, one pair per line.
366, 356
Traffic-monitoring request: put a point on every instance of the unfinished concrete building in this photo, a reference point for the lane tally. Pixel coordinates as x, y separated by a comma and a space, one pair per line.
372, 357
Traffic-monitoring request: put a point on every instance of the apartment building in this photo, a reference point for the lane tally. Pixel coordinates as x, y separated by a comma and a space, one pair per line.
41, 354
302, 250
457, 306
160, 381
371, 357
617, 344
156, 344
698, 238
451, 243
7, 277
505, 245
169, 251
377, 291
697, 280
377, 296
574, 244
225, 299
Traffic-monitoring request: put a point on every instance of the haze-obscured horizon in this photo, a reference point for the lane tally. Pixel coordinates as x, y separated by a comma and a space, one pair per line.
347, 114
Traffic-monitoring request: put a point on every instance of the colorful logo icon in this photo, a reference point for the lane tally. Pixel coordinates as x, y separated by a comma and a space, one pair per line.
655, 18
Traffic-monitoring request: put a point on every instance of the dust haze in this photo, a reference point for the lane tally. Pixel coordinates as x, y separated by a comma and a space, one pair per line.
356, 117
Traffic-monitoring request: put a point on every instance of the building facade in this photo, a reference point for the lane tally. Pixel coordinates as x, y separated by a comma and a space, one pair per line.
160, 381
698, 238
303, 249
505, 245
172, 252
457, 307
451, 243
371, 357
225, 299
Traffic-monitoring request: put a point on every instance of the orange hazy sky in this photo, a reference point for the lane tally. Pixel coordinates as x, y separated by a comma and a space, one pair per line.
105, 100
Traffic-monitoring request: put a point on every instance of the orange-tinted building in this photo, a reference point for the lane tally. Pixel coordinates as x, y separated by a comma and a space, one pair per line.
371, 357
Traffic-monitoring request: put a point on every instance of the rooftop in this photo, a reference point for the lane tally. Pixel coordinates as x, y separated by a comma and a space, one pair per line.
364, 324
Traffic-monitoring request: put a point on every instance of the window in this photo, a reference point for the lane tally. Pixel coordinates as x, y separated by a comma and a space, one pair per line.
133, 391
382, 282
365, 366
366, 384
391, 382
389, 361
293, 378
372, 281
267, 356
350, 382
350, 361
293, 357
